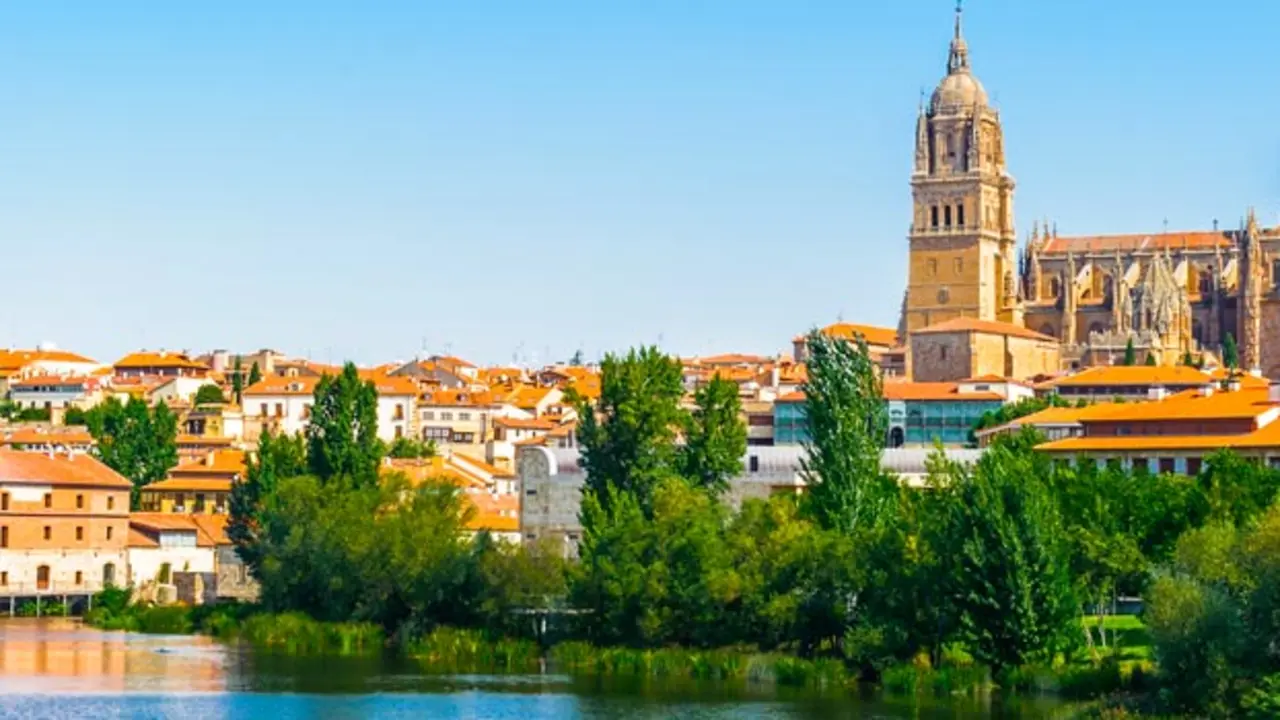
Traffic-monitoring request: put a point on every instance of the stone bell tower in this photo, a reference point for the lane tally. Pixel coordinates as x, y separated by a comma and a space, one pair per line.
962, 243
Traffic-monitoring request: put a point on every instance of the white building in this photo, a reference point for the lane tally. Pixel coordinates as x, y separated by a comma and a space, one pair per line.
551, 483
397, 400
281, 404
56, 392
161, 544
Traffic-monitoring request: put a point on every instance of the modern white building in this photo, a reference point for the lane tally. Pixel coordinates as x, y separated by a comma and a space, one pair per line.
551, 481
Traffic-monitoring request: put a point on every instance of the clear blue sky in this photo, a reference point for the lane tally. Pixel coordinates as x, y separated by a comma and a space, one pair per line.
347, 180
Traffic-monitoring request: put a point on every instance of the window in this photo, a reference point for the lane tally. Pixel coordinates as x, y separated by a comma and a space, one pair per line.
4, 536
4, 577
306, 412
436, 434
4, 501
531, 492
79, 532
933, 267
1166, 464
399, 431
111, 502
109, 533
466, 416
446, 416
399, 413
279, 410
946, 215
933, 216
48, 532
959, 265
263, 410
755, 463
960, 215
79, 577
942, 352
79, 502
48, 500
428, 414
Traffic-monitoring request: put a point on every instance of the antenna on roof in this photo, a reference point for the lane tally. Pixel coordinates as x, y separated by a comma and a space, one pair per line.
1166, 224
1215, 224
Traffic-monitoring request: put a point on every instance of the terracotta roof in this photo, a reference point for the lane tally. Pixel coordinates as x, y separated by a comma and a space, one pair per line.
729, 359
791, 397
189, 484
1133, 375
41, 436
481, 465
457, 398
420, 470
990, 327
495, 513
1192, 405
54, 381
273, 386
933, 391
210, 530
165, 359
523, 424
874, 334
1195, 239
218, 462
15, 359
208, 440
527, 397
60, 469
396, 385
993, 379
139, 539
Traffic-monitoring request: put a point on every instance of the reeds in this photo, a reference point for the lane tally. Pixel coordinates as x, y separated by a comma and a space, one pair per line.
455, 650
727, 664
298, 634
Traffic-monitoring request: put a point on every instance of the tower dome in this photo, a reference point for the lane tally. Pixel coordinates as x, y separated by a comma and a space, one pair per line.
959, 88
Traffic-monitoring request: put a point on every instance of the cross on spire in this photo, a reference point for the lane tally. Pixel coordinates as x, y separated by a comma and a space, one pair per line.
958, 60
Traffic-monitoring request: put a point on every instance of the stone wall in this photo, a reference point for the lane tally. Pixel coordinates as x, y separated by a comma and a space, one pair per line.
232, 580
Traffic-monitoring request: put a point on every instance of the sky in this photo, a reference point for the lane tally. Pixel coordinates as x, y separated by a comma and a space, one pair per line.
514, 181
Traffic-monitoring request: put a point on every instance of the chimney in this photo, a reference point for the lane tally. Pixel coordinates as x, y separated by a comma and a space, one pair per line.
1157, 392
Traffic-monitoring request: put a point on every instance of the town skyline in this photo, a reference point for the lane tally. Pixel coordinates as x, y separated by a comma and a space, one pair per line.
367, 186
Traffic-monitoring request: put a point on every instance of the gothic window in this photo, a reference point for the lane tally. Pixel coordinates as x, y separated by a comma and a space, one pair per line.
1055, 288
960, 215
946, 215
933, 216
933, 268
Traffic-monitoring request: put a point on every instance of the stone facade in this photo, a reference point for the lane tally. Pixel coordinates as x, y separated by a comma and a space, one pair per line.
1168, 294
962, 348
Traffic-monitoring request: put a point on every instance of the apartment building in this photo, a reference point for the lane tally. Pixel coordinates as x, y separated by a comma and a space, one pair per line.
278, 404
56, 392
159, 364
64, 522
197, 487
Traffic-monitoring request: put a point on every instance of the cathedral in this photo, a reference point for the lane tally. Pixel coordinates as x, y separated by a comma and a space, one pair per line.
1169, 294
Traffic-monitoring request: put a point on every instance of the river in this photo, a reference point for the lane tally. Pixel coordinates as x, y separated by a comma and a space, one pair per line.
59, 669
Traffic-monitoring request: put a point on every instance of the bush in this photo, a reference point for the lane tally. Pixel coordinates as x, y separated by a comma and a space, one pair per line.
298, 634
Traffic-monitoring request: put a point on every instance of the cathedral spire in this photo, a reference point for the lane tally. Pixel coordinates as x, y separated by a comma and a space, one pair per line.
958, 59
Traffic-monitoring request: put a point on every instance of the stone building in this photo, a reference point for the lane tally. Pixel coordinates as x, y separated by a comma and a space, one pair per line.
1167, 293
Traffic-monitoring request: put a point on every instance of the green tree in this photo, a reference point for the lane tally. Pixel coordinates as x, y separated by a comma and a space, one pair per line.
278, 457
1150, 361
407, 448
237, 380
715, 438
628, 437
138, 442
847, 421
1009, 412
255, 374
209, 394
1008, 568
519, 577
342, 437
1230, 354
1187, 359
1130, 355
1236, 490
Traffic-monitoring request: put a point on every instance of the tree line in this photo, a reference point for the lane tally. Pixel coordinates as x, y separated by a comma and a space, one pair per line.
1005, 560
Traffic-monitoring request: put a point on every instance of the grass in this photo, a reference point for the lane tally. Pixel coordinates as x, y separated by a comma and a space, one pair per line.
724, 664
453, 650
298, 634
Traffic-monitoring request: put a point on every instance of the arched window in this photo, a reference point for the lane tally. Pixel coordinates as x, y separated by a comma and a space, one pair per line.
109, 575
933, 216
960, 214
946, 215
896, 438
1055, 288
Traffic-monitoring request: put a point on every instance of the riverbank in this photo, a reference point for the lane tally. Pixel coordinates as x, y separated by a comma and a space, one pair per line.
1123, 668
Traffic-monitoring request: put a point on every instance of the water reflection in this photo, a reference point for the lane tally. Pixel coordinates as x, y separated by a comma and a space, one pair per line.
57, 668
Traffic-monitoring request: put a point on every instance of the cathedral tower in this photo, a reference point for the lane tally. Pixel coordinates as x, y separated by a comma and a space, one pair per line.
962, 243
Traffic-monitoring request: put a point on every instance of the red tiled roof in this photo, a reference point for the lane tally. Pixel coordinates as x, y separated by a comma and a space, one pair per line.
989, 327
1196, 239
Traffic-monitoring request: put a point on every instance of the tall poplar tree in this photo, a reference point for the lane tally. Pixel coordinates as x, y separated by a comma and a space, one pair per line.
278, 457
237, 380
715, 437
342, 437
847, 421
628, 437
1230, 354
